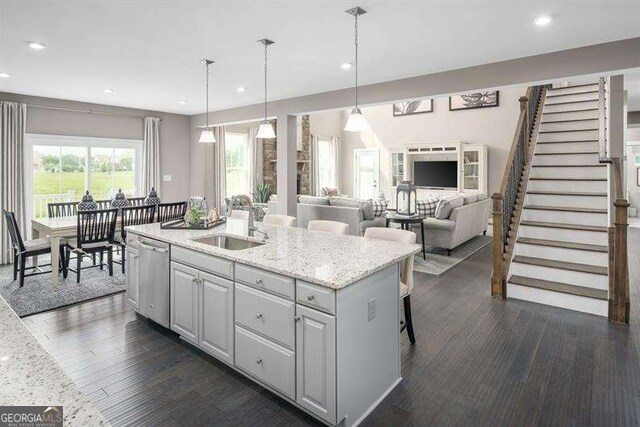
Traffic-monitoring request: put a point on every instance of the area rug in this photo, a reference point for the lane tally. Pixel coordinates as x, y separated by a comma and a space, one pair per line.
38, 294
438, 262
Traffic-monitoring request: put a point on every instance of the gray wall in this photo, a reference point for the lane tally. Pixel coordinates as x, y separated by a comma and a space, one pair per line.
174, 133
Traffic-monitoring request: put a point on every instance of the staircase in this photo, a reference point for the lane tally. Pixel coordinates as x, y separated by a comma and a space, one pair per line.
560, 256
558, 249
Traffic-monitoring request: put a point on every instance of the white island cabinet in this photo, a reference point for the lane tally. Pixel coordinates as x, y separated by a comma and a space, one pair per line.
327, 342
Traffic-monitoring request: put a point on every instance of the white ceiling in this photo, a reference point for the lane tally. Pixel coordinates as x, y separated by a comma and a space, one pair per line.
149, 52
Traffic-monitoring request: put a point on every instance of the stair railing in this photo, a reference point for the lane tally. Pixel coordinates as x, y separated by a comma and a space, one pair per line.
504, 201
619, 300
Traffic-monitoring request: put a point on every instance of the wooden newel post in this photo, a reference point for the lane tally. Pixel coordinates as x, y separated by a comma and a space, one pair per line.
619, 305
498, 280
524, 107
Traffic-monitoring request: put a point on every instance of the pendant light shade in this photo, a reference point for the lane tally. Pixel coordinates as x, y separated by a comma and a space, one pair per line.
356, 121
207, 134
265, 131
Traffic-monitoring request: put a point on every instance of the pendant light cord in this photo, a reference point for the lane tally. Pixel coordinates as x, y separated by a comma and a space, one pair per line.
265, 82
207, 94
356, 44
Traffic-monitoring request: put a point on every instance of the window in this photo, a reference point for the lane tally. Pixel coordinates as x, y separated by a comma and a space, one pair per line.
237, 164
326, 163
64, 167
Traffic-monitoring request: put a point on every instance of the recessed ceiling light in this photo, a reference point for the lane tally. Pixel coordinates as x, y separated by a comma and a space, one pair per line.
241, 89
541, 21
346, 66
182, 101
108, 91
36, 45
4, 75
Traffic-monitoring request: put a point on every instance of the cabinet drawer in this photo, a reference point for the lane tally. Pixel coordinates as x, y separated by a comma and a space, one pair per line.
266, 314
265, 280
211, 264
267, 361
316, 296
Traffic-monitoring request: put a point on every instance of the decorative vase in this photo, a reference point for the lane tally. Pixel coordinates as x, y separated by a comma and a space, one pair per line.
87, 203
152, 198
119, 201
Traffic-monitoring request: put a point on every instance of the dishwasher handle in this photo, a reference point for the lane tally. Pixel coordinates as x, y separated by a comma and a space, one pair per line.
153, 248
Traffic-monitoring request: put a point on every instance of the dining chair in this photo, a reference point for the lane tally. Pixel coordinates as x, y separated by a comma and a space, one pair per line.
137, 201
239, 214
95, 232
57, 210
103, 204
171, 211
133, 215
278, 219
334, 227
22, 250
406, 270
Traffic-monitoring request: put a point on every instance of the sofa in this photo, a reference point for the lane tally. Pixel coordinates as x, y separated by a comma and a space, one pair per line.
463, 223
358, 214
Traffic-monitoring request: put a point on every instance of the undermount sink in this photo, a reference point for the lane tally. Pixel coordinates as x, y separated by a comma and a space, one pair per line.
228, 242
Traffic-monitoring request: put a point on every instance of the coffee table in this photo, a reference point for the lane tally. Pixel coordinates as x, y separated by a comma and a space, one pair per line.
405, 224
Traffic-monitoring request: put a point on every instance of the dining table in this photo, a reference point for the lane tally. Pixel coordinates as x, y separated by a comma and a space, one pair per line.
55, 229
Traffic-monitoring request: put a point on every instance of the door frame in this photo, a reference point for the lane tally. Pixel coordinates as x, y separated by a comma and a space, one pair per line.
376, 152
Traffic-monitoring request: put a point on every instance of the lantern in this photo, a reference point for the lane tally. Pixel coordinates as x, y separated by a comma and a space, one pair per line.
406, 198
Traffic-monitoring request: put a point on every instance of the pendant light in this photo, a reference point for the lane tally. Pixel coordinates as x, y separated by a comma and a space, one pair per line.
356, 121
207, 134
265, 130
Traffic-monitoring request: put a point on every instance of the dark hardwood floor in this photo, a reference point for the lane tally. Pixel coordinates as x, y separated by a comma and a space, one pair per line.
477, 361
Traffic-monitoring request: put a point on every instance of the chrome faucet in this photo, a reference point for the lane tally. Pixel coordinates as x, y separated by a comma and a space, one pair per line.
253, 230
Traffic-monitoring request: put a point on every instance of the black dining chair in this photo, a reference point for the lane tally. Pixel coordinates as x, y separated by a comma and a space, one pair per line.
171, 211
62, 209
95, 232
103, 204
137, 201
22, 250
134, 215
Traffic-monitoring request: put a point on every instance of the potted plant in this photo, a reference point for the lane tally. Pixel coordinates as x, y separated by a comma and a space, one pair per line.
262, 193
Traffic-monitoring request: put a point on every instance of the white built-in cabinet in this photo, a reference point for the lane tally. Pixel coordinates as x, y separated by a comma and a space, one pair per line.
185, 287
216, 318
474, 165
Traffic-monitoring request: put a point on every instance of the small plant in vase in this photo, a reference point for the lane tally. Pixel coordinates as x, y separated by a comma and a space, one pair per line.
262, 193
194, 216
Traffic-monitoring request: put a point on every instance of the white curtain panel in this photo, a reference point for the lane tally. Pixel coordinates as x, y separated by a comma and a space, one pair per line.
315, 175
335, 154
13, 117
151, 156
215, 168
256, 153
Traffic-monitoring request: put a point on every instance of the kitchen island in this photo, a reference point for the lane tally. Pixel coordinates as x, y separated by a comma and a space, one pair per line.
313, 317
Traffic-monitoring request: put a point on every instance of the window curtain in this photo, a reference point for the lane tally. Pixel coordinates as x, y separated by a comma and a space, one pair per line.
256, 159
315, 167
13, 117
216, 170
151, 156
335, 156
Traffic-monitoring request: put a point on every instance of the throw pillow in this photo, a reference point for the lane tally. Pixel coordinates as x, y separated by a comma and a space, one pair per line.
469, 198
427, 207
379, 207
329, 191
367, 209
445, 206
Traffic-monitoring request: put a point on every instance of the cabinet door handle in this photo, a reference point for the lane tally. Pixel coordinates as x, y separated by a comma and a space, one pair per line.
258, 315
311, 297
297, 318
258, 281
259, 361
150, 305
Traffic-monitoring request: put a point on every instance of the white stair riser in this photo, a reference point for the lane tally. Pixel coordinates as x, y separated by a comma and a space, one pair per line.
566, 159
562, 254
567, 201
567, 147
573, 172
581, 125
577, 278
577, 236
572, 89
565, 217
578, 115
574, 97
578, 135
586, 186
558, 299
570, 107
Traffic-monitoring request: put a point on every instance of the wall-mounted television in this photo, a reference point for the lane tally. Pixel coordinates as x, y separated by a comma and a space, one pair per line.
439, 174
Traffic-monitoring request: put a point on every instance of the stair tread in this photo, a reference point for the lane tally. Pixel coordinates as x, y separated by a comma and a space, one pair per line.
566, 209
567, 142
565, 153
569, 130
565, 245
562, 265
567, 179
572, 111
581, 227
599, 165
572, 93
568, 193
568, 121
570, 102
572, 86
564, 288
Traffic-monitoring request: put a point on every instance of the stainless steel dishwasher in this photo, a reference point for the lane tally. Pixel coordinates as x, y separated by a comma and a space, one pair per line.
154, 302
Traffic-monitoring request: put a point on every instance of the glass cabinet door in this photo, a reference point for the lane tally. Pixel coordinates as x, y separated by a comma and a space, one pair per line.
471, 170
397, 168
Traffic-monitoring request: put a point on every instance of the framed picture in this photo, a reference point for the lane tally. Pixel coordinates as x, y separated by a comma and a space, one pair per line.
416, 106
469, 101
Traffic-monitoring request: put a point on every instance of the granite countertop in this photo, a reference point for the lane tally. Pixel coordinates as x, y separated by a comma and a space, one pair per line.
30, 376
330, 260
